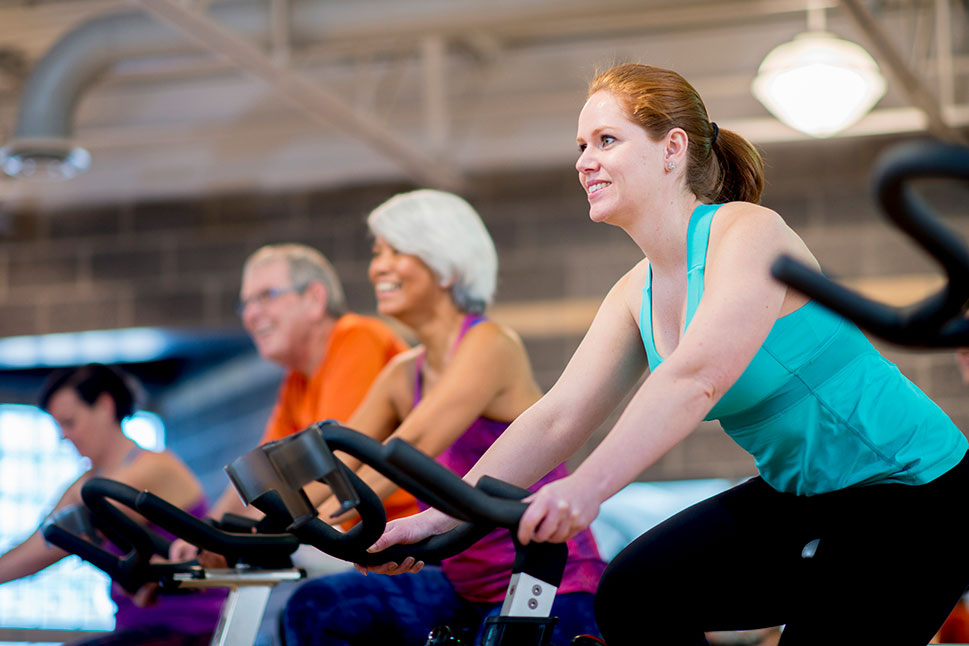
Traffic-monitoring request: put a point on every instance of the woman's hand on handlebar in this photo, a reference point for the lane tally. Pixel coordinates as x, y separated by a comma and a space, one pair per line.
181, 551
557, 512
405, 531
408, 566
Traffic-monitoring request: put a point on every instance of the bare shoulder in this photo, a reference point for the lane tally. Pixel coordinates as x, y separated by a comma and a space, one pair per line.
636, 276
403, 362
492, 336
747, 228
396, 380
630, 286
154, 466
746, 217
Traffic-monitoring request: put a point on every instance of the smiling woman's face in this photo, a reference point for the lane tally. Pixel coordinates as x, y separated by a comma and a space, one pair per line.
401, 282
618, 163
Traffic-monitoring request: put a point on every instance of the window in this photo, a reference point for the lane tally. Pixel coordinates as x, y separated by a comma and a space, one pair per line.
36, 465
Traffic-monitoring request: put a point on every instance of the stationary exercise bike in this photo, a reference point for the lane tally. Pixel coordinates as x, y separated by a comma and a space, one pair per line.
271, 478
259, 561
938, 321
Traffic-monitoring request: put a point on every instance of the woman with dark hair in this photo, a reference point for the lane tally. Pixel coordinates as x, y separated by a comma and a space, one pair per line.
89, 403
856, 463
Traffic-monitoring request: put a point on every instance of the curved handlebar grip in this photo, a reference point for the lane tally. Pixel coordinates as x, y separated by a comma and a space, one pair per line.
275, 496
133, 569
257, 478
64, 531
933, 321
497, 498
477, 505
371, 452
271, 478
352, 546
891, 180
117, 526
252, 548
346, 545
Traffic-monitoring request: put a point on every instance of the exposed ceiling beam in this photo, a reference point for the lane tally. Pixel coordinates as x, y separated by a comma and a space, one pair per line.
321, 105
913, 87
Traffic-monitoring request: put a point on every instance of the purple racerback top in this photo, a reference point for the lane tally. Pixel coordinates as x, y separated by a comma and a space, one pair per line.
481, 573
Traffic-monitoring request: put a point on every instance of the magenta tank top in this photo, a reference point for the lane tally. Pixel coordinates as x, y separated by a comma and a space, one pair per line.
482, 572
192, 613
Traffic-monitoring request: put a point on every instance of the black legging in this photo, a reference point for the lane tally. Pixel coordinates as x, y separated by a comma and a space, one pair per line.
891, 562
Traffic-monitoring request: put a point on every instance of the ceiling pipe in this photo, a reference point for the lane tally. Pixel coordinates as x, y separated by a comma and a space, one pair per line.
42, 143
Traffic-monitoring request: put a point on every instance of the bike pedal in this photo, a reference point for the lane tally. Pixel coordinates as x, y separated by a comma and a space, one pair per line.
442, 635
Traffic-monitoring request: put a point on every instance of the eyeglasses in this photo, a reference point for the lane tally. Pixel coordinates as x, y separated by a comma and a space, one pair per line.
266, 296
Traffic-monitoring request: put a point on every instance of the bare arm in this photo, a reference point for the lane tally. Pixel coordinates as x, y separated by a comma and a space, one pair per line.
488, 375
608, 362
34, 554
163, 474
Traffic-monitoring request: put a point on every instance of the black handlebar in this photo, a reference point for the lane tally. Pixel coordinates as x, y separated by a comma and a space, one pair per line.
251, 548
938, 320
258, 479
270, 477
74, 531
494, 502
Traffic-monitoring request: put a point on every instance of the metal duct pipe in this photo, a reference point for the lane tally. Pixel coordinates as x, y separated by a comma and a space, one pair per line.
42, 145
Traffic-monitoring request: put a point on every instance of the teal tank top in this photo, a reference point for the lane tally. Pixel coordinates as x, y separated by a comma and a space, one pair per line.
818, 407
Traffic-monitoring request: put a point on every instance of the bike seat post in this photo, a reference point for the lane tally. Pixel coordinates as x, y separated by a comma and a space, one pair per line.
525, 613
243, 609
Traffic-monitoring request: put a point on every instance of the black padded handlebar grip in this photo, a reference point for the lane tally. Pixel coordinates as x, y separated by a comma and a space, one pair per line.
937, 320
372, 453
201, 534
476, 504
117, 526
352, 546
57, 531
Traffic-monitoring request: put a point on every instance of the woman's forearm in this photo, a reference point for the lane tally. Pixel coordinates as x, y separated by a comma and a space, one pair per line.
30, 557
535, 443
661, 414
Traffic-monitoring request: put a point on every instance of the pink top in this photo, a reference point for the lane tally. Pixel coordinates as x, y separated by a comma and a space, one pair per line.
482, 572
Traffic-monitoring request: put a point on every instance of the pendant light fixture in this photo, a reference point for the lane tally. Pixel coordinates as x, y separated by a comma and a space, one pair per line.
818, 83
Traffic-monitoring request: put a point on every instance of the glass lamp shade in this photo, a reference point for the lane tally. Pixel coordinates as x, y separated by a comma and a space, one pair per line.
818, 84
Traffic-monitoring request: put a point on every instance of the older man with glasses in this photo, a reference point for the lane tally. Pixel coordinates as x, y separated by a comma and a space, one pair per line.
292, 305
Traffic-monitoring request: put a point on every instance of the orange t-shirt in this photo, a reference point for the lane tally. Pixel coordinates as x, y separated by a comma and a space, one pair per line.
358, 349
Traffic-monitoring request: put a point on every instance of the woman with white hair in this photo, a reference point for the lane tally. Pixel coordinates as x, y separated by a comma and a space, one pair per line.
434, 269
